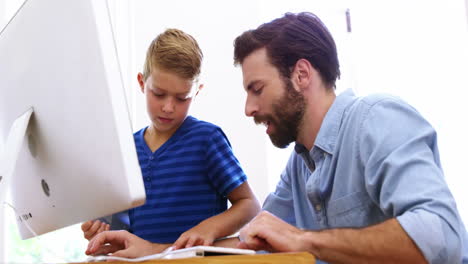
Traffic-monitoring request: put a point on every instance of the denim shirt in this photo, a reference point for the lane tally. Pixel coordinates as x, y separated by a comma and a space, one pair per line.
374, 158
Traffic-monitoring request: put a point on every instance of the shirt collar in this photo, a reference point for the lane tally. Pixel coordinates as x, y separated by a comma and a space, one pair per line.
330, 128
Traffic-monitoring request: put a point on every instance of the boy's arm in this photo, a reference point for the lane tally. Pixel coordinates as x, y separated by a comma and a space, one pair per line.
127, 245
122, 244
244, 207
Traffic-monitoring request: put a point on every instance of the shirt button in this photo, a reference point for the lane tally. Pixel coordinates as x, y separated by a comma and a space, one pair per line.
148, 178
324, 154
318, 207
151, 157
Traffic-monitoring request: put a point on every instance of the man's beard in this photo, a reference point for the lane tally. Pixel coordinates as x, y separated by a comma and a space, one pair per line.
288, 112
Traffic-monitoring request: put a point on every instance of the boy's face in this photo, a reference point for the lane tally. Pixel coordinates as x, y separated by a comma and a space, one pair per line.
168, 99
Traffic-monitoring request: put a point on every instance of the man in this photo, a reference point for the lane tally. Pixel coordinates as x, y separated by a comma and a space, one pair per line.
364, 184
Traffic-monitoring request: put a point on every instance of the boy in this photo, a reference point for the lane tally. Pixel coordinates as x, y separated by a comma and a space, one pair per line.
187, 164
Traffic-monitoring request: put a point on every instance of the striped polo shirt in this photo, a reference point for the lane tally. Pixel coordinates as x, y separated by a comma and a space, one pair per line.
186, 180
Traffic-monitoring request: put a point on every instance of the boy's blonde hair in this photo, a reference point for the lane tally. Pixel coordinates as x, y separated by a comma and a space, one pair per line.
174, 51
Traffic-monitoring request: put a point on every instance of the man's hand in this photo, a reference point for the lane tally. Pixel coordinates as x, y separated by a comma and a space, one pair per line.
122, 244
386, 242
202, 234
268, 232
92, 228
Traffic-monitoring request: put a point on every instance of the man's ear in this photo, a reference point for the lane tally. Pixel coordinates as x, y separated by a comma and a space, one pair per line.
302, 74
141, 82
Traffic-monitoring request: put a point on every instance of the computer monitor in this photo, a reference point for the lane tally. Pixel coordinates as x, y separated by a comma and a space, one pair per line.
70, 154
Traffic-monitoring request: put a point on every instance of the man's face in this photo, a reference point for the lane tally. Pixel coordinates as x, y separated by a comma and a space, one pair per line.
271, 99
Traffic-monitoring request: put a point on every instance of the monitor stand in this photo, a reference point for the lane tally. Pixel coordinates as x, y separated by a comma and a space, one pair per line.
11, 152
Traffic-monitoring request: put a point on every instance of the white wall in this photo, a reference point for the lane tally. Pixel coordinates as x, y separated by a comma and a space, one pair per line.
418, 50
2, 22
466, 5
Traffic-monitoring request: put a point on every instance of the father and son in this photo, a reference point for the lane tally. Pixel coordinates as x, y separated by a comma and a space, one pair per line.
364, 183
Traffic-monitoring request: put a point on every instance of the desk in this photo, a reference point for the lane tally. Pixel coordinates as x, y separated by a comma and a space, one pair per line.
276, 258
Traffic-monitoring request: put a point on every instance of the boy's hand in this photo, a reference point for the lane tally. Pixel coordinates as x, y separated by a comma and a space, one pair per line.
200, 235
122, 244
93, 227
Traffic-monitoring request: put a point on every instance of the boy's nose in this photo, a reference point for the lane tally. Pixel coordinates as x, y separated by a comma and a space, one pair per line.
169, 105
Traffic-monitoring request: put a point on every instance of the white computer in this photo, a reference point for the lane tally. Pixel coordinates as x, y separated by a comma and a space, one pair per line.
70, 154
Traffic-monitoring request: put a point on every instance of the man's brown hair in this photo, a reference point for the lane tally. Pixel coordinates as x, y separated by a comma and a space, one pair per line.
289, 39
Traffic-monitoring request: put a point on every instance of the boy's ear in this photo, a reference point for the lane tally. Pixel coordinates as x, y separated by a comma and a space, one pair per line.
141, 82
200, 87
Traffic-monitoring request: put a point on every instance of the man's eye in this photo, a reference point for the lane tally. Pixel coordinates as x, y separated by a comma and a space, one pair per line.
257, 90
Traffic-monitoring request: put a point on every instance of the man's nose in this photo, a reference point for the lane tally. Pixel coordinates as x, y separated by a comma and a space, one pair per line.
251, 107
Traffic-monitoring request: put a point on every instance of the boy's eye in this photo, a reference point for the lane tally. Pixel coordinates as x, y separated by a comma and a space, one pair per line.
182, 99
158, 94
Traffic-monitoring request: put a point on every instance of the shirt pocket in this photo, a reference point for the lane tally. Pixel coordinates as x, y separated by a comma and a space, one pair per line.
353, 210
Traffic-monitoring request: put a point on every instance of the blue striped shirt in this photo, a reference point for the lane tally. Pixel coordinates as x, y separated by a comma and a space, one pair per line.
186, 180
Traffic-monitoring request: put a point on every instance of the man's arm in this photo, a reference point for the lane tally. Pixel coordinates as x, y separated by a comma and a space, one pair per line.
386, 242
403, 175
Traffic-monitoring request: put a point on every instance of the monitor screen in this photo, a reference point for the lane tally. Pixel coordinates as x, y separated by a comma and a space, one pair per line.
64, 118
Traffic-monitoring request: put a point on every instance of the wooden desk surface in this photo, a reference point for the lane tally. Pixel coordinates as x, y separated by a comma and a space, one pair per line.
276, 258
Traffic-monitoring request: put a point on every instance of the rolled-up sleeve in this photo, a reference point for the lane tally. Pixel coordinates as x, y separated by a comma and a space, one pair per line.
398, 149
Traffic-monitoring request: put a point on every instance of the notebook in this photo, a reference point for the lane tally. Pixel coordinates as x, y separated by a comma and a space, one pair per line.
198, 251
